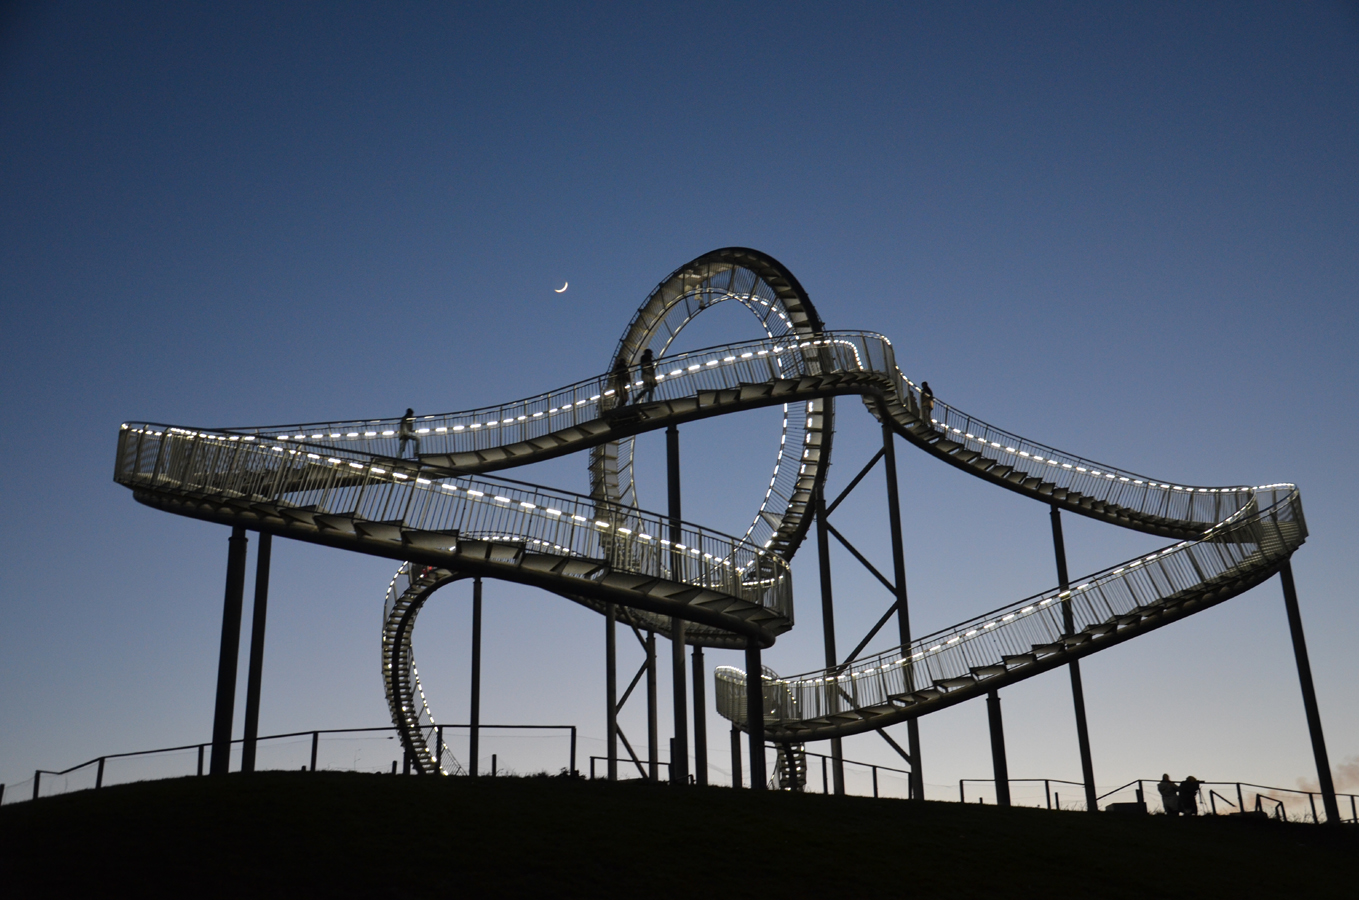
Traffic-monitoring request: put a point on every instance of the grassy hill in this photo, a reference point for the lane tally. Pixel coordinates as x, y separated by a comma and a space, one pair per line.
296, 834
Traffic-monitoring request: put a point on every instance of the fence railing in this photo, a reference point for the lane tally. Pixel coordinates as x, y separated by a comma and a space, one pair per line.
978, 648
328, 749
1214, 797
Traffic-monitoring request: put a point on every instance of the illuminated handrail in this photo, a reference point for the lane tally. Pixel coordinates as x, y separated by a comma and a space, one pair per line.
977, 649
732, 365
347, 484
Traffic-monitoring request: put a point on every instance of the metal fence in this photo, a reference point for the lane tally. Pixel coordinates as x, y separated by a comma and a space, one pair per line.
506, 751
1215, 798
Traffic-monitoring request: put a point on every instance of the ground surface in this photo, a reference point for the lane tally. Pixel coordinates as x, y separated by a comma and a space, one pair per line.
349, 835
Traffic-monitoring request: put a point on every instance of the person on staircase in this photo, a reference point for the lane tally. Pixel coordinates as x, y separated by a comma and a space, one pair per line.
648, 375
618, 383
1170, 800
1189, 796
407, 434
926, 402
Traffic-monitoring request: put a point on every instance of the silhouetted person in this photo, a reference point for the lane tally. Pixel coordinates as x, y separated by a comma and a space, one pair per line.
1188, 796
618, 382
926, 401
648, 374
1170, 800
407, 434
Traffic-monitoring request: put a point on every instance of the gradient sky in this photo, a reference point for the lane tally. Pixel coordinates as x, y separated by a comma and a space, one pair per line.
1126, 231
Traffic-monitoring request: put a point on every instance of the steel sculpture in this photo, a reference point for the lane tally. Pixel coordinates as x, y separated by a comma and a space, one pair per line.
346, 485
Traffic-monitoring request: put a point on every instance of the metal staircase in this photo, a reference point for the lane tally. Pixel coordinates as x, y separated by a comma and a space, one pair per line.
344, 484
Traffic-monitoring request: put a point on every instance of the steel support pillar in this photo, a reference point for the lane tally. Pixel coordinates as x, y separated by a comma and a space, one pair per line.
611, 688
474, 729
899, 580
828, 626
735, 757
230, 650
1077, 691
755, 715
258, 618
1309, 696
679, 755
653, 748
700, 721
1002, 770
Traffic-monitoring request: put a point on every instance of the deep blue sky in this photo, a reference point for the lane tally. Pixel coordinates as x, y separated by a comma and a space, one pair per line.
1126, 231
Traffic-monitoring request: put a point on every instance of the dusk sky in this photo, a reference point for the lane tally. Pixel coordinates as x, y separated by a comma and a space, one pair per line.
1129, 231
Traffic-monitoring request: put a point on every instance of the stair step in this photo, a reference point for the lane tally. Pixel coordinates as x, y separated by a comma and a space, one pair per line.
952, 684
946, 445
988, 671
1032, 482
1046, 487
1001, 471
1019, 659
1048, 649
967, 455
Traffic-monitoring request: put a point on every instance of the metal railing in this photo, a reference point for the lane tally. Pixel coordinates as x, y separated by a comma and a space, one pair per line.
348, 485
1207, 799
98, 768
1230, 552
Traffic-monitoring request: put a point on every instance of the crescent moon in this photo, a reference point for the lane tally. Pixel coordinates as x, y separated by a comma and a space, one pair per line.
563, 288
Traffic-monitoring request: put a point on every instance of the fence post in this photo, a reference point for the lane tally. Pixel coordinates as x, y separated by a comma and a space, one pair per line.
493, 765
438, 750
1240, 803
99, 776
875, 782
572, 770
200, 759
1047, 791
315, 740
37, 776
961, 798
1311, 798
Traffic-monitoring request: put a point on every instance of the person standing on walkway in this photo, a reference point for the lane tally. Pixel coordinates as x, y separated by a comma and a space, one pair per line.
1170, 800
1189, 796
926, 401
648, 374
407, 434
618, 383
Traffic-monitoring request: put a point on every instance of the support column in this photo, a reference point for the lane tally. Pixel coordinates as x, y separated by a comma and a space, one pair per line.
474, 730
1002, 770
735, 757
679, 755
1077, 691
1309, 696
755, 715
903, 613
611, 689
700, 721
258, 617
653, 748
230, 650
828, 626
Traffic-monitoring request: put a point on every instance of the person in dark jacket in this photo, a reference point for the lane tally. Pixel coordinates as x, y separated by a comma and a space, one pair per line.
926, 401
648, 375
1189, 796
